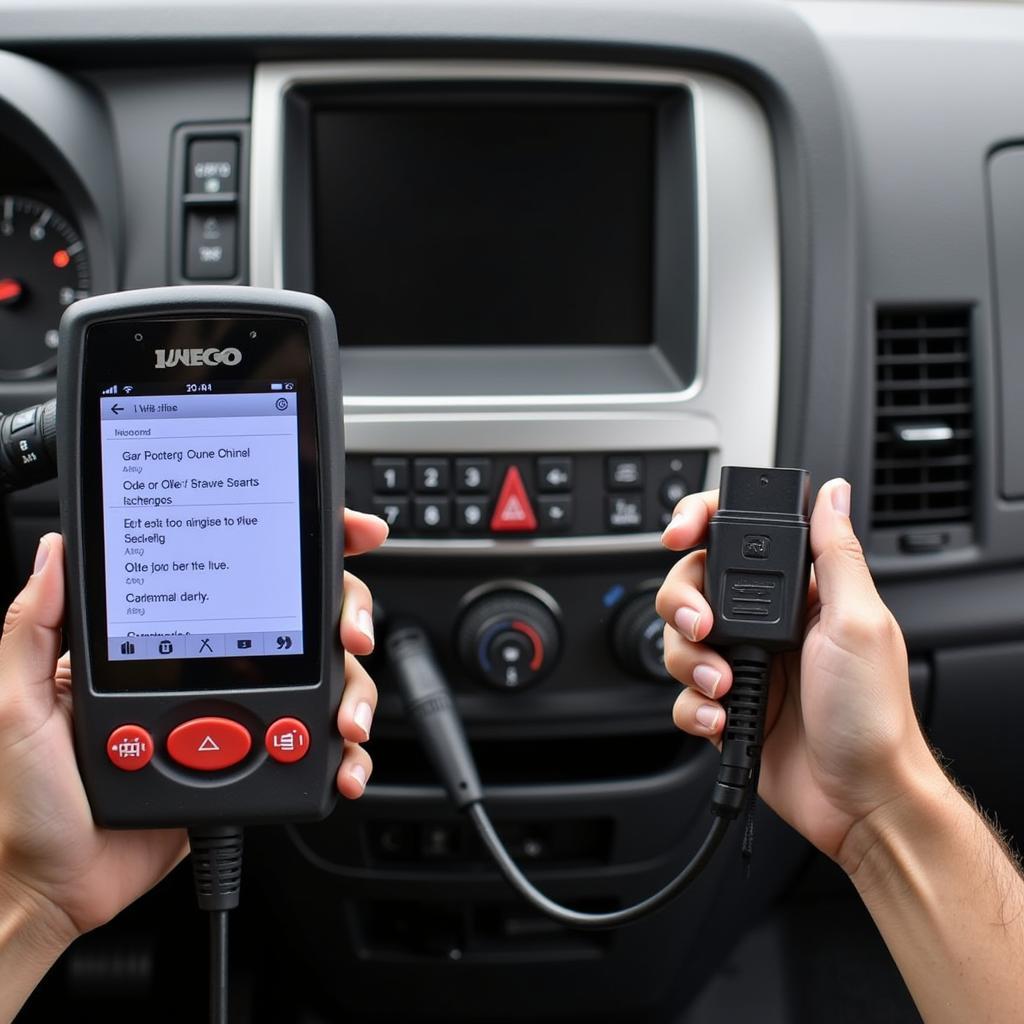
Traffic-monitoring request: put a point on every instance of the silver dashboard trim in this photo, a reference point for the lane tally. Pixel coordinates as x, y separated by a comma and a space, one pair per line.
731, 408
266, 229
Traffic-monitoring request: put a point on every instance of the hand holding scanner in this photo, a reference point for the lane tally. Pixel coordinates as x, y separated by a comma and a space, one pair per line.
200, 446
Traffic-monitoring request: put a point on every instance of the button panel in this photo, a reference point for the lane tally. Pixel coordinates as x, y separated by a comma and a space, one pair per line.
209, 203
516, 496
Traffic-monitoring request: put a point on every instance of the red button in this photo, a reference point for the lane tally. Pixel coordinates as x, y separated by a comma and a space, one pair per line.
287, 740
130, 747
209, 744
512, 511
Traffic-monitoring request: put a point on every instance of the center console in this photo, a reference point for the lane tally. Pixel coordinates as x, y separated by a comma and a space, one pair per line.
558, 293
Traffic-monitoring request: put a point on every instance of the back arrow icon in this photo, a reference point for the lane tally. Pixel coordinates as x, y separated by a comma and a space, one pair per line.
115, 408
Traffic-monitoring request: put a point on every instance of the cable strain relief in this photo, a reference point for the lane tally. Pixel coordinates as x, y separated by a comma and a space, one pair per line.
217, 865
728, 801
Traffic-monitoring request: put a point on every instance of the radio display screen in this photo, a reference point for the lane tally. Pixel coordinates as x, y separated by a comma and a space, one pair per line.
486, 224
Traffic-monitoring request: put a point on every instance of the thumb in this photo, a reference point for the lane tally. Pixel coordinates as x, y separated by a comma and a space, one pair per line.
31, 637
841, 573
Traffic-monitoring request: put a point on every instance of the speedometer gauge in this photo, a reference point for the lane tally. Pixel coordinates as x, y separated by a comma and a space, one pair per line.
43, 268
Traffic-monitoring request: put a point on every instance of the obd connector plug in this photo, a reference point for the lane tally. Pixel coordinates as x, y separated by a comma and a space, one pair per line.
758, 565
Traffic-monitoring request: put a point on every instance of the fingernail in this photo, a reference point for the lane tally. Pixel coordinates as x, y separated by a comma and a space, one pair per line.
841, 498
359, 774
42, 554
364, 623
707, 716
676, 521
706, 679
687, 621
363, 717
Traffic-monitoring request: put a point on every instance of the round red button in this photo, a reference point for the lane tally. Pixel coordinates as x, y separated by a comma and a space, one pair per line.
209, 744
287, 740
130, 747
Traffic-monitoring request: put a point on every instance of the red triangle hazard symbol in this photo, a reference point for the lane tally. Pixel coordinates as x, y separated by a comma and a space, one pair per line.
512, 511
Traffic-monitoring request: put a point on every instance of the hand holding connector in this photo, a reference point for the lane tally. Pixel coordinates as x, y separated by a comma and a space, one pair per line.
840, 735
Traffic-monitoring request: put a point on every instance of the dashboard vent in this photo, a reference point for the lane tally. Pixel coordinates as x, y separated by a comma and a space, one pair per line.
924, 438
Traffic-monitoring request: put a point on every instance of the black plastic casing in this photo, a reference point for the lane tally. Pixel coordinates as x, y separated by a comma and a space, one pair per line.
258, 789
758, 558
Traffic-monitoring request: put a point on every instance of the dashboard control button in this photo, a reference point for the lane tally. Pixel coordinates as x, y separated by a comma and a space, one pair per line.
211, 238
625, 472
212, 166
554, 473
209, 744
513, 511
432, 514
472, 476
555, 512
394, 511
130, 747
287, 740
638, 638
470, 515
672, 491
508, 639
430, 475
390, 476
625, 512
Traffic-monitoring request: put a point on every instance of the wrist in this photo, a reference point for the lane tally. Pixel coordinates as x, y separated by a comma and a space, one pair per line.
32, 923
919, 812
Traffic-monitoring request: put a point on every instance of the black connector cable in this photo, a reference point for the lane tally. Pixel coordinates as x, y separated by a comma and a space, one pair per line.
756, 579
217, 871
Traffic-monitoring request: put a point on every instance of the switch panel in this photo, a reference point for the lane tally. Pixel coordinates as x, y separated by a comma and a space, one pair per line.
570, 494
209, 204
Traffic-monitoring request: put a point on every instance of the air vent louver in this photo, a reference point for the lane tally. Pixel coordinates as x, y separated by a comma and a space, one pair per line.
924, 440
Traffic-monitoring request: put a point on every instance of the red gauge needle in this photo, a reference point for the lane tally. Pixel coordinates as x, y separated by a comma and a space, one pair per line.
10, 291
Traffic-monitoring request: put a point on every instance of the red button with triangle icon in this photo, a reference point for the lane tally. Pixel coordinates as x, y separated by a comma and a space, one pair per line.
209, 744
513, 512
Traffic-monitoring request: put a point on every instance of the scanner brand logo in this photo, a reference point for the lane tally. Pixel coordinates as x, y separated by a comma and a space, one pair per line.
168, 357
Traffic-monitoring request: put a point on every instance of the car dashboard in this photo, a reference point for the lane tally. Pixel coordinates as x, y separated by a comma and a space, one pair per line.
581, 256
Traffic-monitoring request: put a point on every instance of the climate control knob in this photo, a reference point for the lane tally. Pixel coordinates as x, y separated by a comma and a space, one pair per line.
638, 638
508, 639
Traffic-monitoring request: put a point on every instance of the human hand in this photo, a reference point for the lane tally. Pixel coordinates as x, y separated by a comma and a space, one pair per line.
67, 874
841, 737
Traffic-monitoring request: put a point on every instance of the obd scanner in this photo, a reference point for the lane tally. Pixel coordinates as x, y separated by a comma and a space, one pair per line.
201, 454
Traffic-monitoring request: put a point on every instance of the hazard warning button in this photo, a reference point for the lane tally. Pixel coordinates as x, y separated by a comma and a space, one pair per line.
209, 744
513, 511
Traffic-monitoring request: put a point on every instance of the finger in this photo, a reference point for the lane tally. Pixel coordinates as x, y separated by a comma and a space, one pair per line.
697, 666
356, 616
690, 521
680, 600
842, 575
695, 714
354, 773
363, 532
358, 702
31, 635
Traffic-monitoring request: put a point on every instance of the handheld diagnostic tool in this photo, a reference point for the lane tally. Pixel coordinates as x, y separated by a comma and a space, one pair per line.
201, 457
